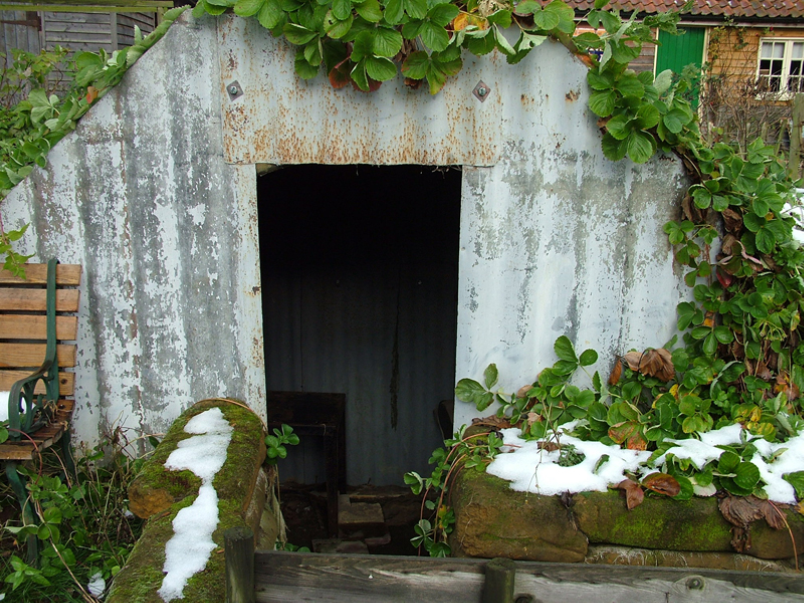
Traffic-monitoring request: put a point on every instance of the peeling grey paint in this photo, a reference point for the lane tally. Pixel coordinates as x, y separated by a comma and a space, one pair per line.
155, 195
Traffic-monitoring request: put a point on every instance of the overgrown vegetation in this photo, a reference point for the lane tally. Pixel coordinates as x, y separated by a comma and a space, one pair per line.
29, 128
86, 531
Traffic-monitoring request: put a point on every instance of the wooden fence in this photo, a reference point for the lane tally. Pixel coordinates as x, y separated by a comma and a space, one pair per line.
279, 577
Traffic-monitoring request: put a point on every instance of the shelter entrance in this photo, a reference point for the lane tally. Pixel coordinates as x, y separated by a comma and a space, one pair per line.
359, 286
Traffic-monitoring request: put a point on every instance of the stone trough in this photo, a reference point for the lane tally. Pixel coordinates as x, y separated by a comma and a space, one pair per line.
596, 527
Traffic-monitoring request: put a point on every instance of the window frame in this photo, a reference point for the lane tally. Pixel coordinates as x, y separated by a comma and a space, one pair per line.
784, 94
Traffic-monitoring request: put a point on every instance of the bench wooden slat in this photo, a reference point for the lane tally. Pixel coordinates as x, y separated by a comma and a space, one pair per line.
36, 274
28, 326
34, 300
31, 355
66, 382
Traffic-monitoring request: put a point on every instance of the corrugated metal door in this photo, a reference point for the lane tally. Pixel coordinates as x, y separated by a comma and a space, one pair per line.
676, 52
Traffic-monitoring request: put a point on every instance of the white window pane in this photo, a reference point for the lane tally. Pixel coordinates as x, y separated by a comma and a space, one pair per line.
798, 50
767, 49
778, 51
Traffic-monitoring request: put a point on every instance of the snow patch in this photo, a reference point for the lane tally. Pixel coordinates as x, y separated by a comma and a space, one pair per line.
188, 551
530, 469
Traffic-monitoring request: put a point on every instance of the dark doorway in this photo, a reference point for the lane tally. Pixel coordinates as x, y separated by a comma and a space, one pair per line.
359, 285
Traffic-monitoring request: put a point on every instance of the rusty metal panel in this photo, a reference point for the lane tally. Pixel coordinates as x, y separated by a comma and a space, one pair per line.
281, 119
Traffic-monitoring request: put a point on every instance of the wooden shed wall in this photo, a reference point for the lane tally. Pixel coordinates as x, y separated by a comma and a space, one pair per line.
19, 29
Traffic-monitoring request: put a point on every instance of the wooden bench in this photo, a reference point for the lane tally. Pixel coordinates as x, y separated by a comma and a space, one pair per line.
37, 318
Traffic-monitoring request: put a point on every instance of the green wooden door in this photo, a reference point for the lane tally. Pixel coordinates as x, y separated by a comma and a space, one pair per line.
676, 52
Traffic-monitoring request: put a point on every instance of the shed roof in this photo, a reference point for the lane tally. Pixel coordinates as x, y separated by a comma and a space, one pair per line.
750, 9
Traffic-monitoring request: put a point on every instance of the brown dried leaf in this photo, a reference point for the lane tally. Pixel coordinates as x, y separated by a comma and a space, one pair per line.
784, 385
662, 483
92, 94
616, 372
633, 359
523, 391
762, 371
493, 421
742, 511
657, 363
633, 493
732, 220
548, 446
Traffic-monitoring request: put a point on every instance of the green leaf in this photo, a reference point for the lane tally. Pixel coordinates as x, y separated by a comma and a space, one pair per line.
618, 126
765, 240
747, 476
248, 8
648, 116
564, 349
588, 357
271, 14
602, 102
614, 149
415, 66
490, 376
599, 81
342, 9
387, 43
337, 29
728, 462
434, 36
546, 20
501, 17
663, 81
502, 43
630, 86
416, 9
443, 14
370, 10
363, 45
303, 69
640, 146
675, 120
296, 34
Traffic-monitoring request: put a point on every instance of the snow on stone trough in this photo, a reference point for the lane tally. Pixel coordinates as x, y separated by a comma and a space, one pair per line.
188, 551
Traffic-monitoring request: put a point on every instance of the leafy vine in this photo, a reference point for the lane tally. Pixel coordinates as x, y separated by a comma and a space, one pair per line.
30, 128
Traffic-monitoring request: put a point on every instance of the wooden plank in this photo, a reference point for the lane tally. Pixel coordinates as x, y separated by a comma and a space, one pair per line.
28, 326
34, 300
46, 4
30, 355
285, 577
9, 378
62, 8
36, 274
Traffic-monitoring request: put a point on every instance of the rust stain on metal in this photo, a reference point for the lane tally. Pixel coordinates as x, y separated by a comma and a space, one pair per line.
285, 120
572, 95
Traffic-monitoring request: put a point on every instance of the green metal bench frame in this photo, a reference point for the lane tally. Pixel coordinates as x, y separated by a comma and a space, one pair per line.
28, 412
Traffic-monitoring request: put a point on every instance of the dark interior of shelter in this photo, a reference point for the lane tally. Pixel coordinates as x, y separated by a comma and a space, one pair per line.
359, 286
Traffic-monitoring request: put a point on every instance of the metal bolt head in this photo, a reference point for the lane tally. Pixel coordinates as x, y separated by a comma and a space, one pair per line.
695, 583
234, 90
482, 91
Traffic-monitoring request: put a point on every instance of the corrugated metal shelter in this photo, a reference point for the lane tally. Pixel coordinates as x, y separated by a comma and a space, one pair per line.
202, 280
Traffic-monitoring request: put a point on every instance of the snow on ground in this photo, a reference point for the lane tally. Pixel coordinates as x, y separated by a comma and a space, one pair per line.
530, 469
188, 551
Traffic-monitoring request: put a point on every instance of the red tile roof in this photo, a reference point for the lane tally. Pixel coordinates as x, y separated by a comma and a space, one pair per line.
755, 9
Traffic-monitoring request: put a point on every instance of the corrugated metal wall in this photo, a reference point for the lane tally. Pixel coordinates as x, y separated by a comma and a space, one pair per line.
360, 298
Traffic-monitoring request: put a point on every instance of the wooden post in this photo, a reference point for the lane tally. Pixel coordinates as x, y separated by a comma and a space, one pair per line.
795, 137
499, 584
239, 551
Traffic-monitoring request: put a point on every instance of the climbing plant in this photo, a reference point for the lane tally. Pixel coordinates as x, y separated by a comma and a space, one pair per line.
29, 128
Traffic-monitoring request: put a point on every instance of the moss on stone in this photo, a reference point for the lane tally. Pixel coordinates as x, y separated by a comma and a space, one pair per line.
142, 576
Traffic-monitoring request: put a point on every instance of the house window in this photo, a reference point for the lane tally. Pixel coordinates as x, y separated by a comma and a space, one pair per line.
781, 67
